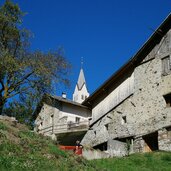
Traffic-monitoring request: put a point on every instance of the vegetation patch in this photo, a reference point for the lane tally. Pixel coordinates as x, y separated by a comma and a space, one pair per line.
33, 152
3, 126
155, 161
56, 151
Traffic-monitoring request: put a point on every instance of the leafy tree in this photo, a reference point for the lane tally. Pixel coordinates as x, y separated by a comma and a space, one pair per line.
25, 74
21, 110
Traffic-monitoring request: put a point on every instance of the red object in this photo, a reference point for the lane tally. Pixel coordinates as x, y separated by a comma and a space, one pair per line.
77, 151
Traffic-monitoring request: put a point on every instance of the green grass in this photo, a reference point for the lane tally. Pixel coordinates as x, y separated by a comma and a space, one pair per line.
156, 161
22, 149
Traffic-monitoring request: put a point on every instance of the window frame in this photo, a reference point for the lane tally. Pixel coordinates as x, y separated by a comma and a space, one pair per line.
166, 71
77, 120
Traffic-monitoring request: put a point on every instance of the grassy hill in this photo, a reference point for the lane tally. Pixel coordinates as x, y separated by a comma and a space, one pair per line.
22, 149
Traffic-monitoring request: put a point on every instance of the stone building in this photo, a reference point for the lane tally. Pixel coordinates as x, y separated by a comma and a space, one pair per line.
64, 119
131, 111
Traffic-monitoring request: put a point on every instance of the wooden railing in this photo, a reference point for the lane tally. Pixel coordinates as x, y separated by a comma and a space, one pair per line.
65, 127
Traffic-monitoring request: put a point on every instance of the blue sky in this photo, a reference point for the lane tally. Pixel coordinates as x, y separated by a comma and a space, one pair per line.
106, 33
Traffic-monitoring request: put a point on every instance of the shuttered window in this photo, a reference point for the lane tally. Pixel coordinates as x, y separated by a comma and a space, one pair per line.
166, 65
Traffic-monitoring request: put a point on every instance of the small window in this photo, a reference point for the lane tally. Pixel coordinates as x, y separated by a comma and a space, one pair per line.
124, 121
107, 126
82, 97
51, 119
77, 120
168, 100
166, 65
168, 132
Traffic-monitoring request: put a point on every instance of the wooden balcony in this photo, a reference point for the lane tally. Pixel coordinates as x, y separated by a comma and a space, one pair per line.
65, 128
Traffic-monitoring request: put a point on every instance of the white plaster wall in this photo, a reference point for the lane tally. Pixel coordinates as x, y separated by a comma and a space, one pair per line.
76, 110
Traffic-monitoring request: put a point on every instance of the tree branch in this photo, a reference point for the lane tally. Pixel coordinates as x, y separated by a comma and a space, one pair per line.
18, 92
3, 87
14, 86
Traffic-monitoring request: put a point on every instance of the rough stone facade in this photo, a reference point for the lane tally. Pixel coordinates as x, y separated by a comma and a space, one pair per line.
136, 107
165, 139
61, 116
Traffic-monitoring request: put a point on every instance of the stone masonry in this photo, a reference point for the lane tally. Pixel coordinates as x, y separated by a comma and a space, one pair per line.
143, 116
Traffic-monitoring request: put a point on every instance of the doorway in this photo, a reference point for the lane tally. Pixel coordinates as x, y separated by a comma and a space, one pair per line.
151, 142
101, 147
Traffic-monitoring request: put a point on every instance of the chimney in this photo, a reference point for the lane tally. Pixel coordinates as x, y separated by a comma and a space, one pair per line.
64, 95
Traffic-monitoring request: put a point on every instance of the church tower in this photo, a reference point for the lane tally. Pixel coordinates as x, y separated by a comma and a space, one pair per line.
80, 93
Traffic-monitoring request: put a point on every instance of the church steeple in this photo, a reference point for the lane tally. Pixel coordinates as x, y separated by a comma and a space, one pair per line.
80, 93
81, 79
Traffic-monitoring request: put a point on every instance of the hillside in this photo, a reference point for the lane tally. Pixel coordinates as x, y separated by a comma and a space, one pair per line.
22, 149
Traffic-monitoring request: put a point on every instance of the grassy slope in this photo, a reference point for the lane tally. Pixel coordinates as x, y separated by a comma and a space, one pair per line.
21, 149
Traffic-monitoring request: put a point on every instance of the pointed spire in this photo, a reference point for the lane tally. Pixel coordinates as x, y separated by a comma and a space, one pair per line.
81, 79
81, 92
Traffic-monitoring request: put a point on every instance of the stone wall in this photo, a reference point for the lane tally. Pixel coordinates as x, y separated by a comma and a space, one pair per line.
165, 139
141, 113
91, 154
117, 148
